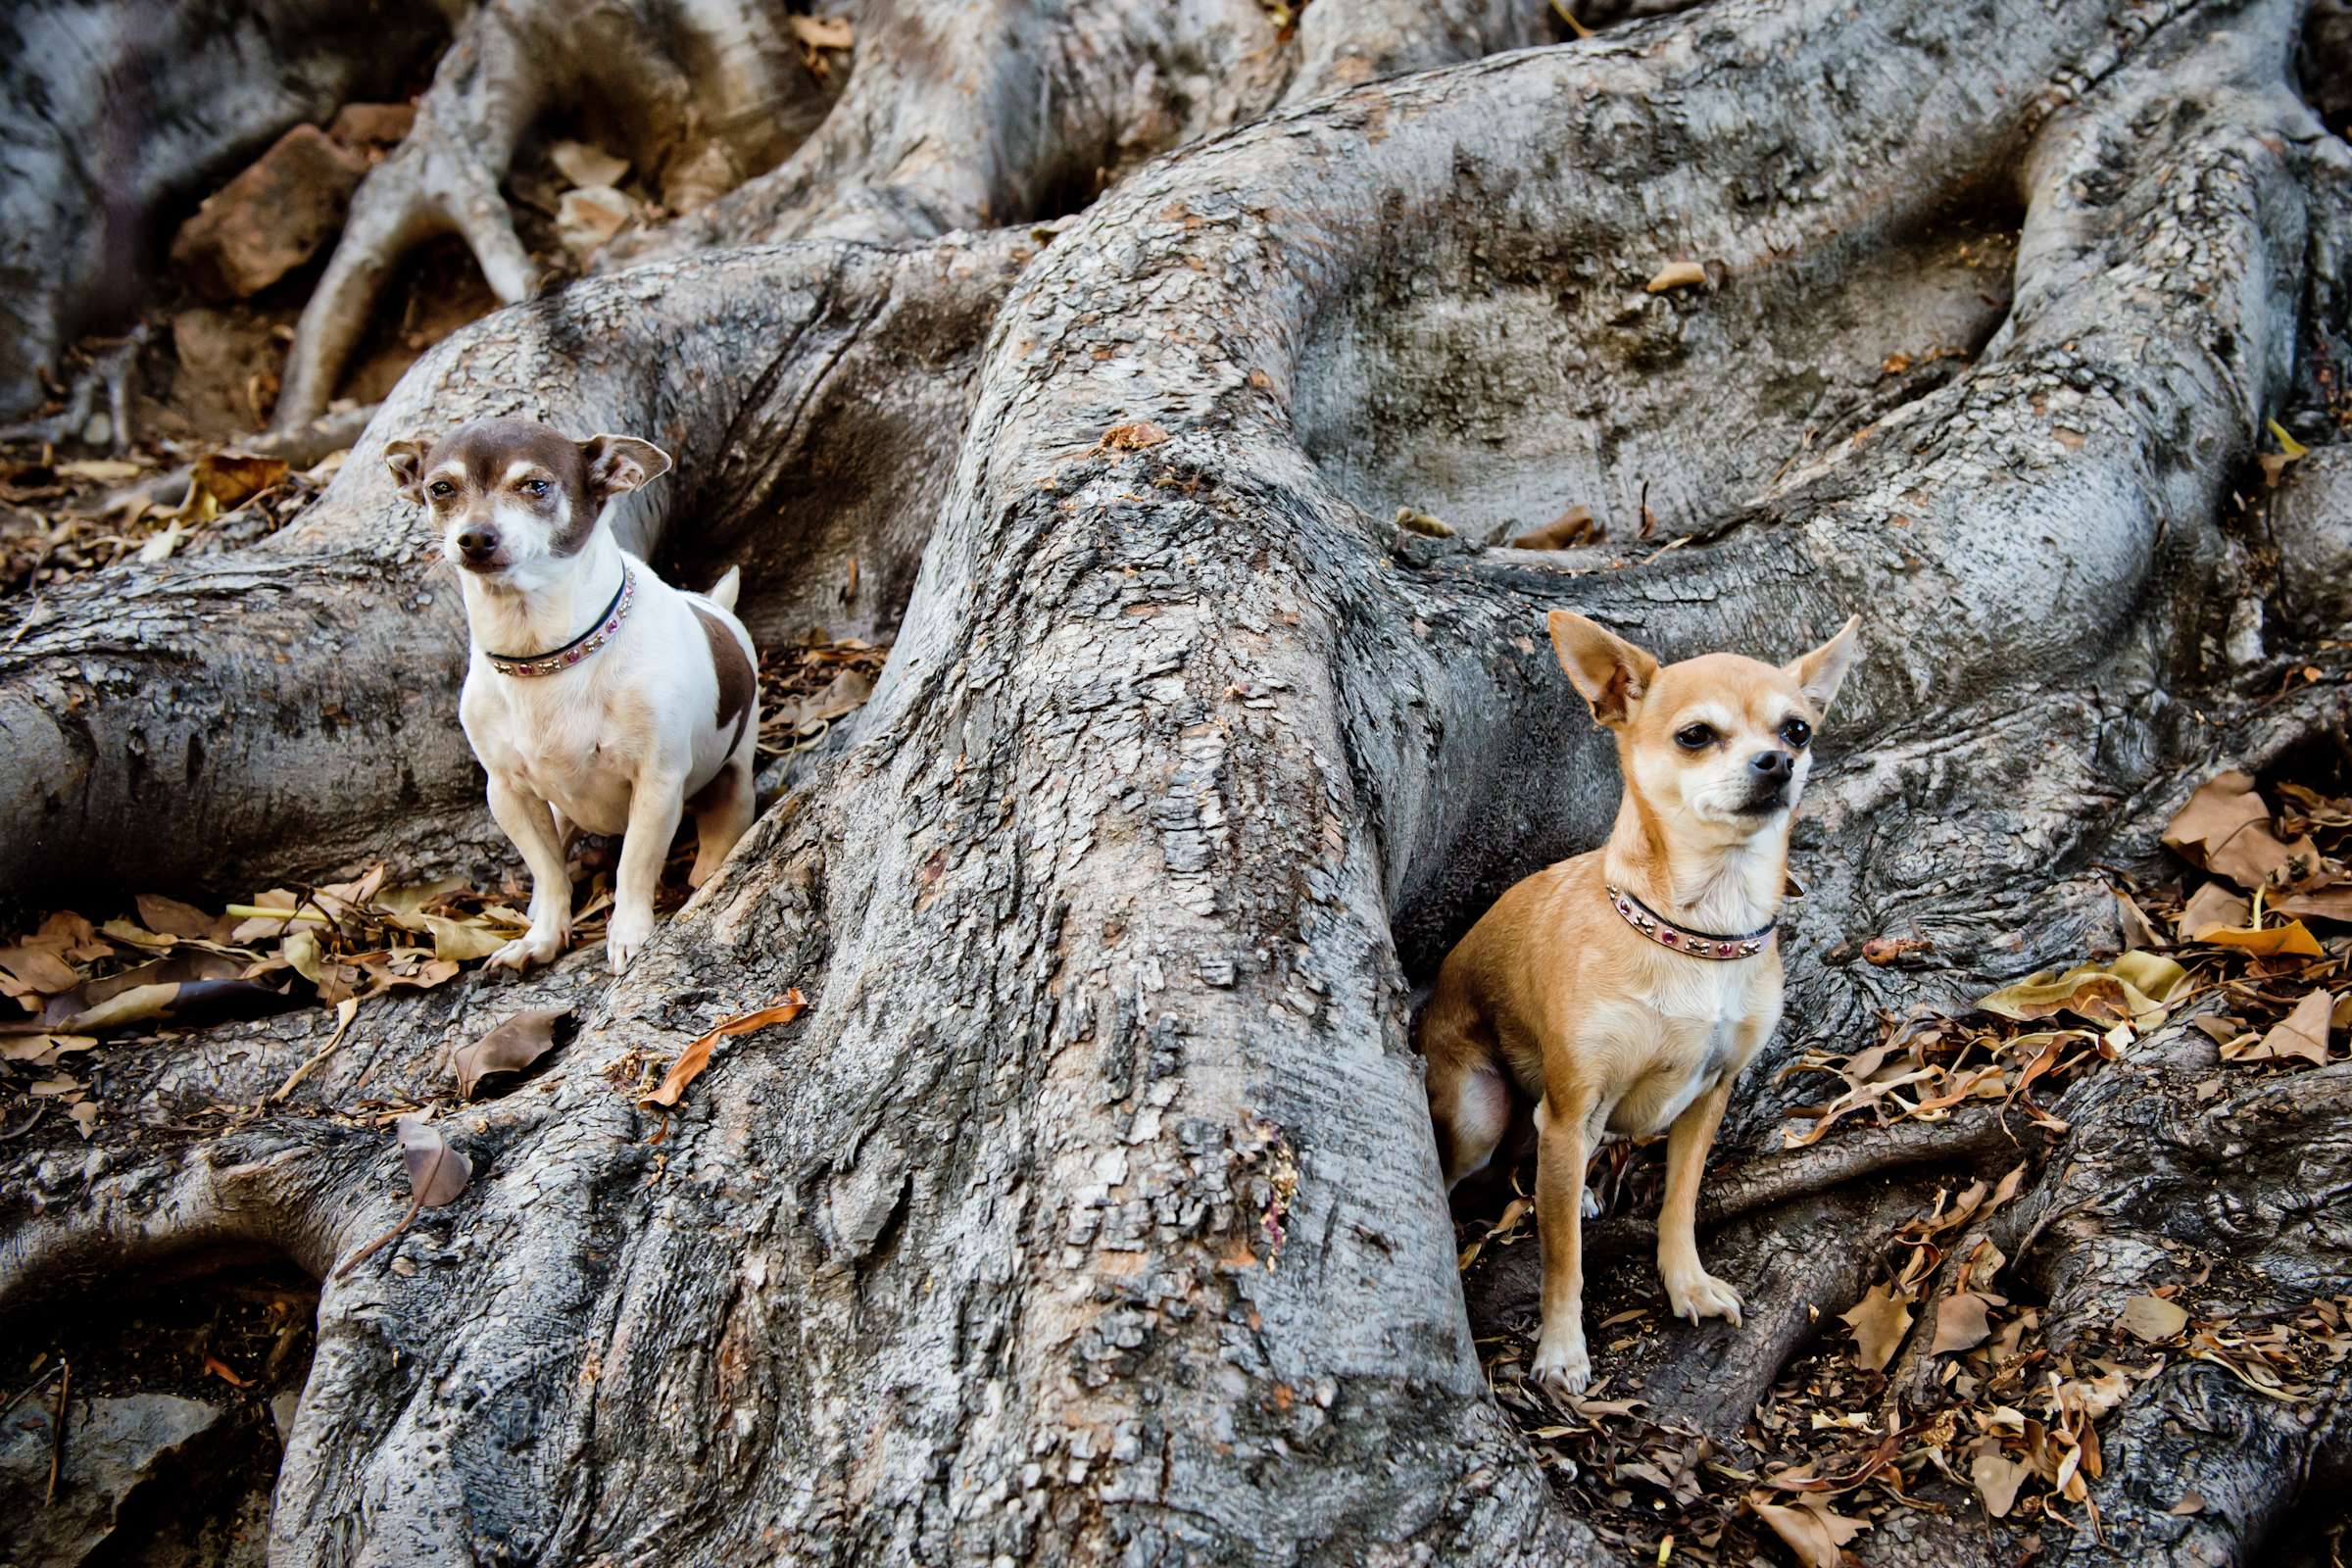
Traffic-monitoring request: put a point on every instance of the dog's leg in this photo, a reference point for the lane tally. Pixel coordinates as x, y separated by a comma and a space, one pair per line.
1694, 1292
1565, 1142
722, 814
656, 802
531, 823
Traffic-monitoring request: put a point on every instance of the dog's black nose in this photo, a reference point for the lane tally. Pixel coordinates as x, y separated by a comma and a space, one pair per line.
477, 544
1775, 766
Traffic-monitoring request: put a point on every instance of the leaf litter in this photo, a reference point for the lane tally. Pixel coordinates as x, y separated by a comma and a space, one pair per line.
1938, 1391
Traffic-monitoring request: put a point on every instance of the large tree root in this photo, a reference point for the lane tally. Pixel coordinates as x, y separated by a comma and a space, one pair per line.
116, 114
700, 94
1090, 1211
338, 642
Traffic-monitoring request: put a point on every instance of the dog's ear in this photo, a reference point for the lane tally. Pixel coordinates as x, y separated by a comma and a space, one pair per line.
619, 463
406, 460
1612, 673
1820, 672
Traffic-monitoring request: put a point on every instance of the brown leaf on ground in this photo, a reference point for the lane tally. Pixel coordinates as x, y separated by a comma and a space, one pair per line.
2213, 907
2292, 940
510, 1048
173, 918
2302, 1035
1133, 436
1879, 1322
1998, 1478
695, 1058
2226, 828
1677, 274
1884, 951
2323, 904
2151, 1320
437, 1173
1809, 1529
1570, 528
1960, 1323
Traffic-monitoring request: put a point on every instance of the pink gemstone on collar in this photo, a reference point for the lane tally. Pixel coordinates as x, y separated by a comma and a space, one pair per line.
1724, 950
1669, 937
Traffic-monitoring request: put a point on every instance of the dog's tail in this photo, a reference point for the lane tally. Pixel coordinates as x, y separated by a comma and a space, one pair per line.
722, 592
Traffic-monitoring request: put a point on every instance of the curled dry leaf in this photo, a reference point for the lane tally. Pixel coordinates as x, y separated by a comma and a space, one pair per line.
1570, 528
821, 32
1133, 436
2292, 940
437, 1173
1414, 520
1884, 951
1809, 1529
2131, 990
695, 1058
2151, 1320
173, 918
1677, 274
510, 1048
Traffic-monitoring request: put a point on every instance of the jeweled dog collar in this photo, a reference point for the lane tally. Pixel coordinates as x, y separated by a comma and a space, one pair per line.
1698, 944
580, 647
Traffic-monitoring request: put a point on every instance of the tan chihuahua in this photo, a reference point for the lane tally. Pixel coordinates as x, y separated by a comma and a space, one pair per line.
1624, 990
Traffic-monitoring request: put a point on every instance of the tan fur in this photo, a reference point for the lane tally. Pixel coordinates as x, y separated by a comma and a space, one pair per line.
1604, 1028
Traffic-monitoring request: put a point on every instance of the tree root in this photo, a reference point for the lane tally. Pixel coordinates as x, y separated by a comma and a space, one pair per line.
699, 94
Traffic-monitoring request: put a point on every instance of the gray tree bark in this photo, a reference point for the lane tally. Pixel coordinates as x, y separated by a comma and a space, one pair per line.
1090, 1212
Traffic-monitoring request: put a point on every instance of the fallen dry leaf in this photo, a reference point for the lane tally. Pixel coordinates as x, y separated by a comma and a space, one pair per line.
585, 164
1677, 274
2290, 940
1133, 436
1879, 1322
2213, 906
1998, 1478
437, 1176
1570, 528
2301, 1035
173, 918
1960, 1323
821, 32
1816, 1534
2151, 1320
510, 1048
695, 1058
2130, 990
2226, 828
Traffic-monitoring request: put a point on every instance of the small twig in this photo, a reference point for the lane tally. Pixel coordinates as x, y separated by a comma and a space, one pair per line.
31, 1389
423, 1183
345, 1012
382, 1241
56, 1428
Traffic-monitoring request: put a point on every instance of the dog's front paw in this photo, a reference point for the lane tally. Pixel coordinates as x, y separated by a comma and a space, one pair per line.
533, 946
1699, 1295
1561, 1367
626, 934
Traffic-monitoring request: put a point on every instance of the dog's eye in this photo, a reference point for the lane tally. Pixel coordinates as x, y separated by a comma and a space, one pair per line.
1796, 732
1694, 737
441, 490
536, 487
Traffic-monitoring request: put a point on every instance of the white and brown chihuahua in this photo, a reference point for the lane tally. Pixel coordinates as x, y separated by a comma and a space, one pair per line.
1624, 990
597, 695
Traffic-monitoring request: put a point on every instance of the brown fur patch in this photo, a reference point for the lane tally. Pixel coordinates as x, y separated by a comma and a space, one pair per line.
736, 682
487, 448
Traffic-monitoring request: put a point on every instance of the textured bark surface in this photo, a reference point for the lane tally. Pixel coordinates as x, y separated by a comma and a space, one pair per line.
1090, 1211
